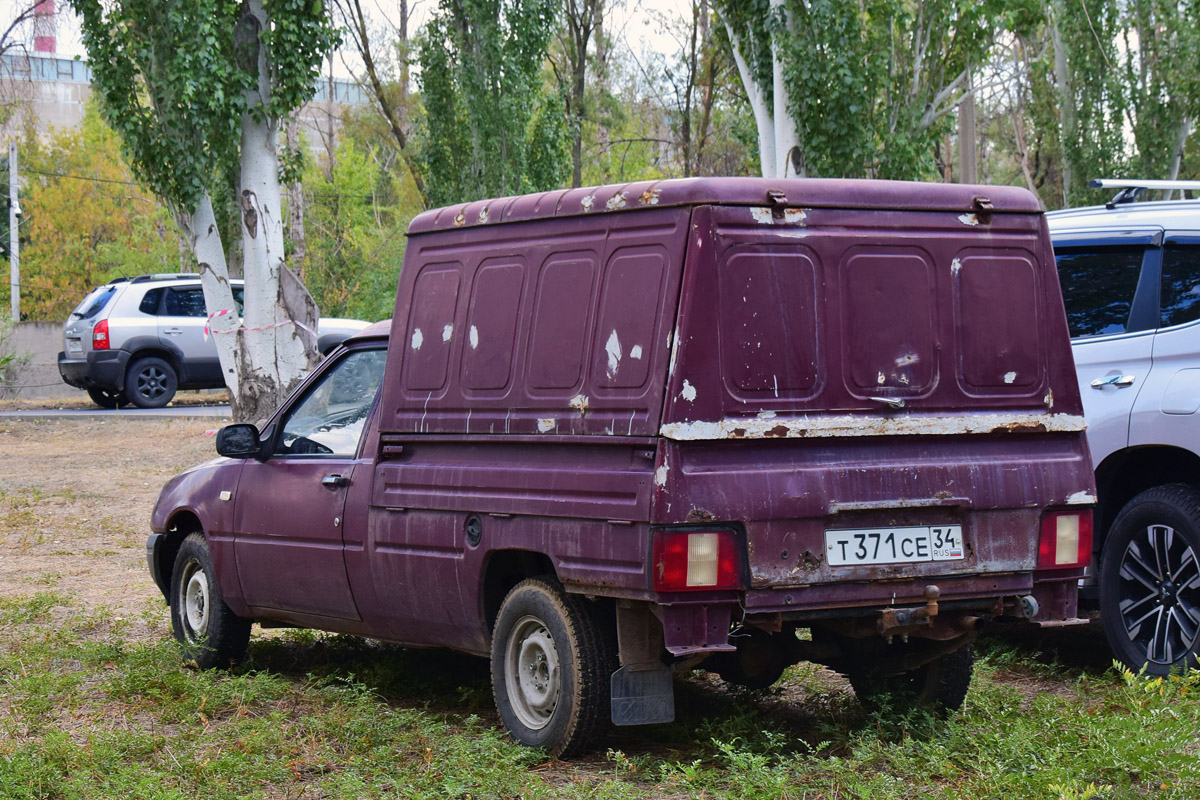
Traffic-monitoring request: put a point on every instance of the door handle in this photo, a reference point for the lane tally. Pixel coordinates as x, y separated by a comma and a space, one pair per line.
335, 481
1113, 380
172, 331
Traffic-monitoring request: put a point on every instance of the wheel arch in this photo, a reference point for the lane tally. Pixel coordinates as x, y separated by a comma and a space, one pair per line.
504, 570
1127, 473
182, 524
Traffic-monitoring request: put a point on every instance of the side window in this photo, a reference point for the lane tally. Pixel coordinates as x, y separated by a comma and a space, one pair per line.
1180, 285
1098, 286
239, 293
149, 304
185, 303
330, 418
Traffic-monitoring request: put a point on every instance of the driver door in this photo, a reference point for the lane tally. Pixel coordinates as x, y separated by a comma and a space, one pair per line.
289, 512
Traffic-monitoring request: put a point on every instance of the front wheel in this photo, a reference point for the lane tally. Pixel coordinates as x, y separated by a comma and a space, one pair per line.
552, 659
1150, 580
939, 686
108, 398
211, 634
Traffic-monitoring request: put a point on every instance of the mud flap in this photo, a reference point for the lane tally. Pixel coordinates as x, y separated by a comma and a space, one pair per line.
644, 697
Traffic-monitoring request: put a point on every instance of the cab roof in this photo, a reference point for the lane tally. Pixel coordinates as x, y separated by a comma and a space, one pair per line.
1165, 214
763, 192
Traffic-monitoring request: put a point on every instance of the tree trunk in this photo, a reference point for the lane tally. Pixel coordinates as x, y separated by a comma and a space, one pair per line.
788, 159
763, 119
968, 161
296, 207
277, 345
1066, 101
205, 241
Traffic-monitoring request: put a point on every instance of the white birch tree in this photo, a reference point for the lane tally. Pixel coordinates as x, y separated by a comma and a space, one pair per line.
192, 86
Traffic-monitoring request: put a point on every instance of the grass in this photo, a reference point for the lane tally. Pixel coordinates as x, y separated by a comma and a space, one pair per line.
86, 712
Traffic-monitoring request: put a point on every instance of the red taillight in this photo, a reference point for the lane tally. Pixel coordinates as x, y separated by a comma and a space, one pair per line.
688, 561
1066, 540
100, 335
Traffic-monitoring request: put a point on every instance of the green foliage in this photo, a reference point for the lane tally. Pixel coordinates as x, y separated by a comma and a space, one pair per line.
490, 127
85, 221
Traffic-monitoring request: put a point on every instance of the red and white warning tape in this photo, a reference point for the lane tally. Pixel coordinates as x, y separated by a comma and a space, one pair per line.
224, 311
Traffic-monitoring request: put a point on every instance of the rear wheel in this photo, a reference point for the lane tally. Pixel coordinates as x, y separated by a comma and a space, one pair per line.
552, 659
108, 398
150, 382
211, 634
1150, 580
939, 686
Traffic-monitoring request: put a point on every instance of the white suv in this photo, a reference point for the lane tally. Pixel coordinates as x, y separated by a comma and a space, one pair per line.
1130, 274
139, 340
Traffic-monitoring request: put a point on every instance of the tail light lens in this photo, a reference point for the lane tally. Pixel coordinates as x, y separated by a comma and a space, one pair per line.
688, 561
100, 335
1066, 540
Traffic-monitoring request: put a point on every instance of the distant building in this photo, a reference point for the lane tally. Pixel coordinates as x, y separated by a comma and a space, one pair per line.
55, 92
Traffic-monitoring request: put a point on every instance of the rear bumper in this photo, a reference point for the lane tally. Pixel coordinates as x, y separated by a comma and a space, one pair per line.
103, 369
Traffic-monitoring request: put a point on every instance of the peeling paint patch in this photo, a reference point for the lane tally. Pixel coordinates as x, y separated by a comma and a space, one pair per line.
867, 425
762, 216
617, 201
881, 379
689, 391
461, 219
968, 219
473, 338
660, 474
673, 346
447, 333
794, 216
766, 216
587, 203
1009, 377
767, 415
1081, 499
483, 215
580, 403
547, 425
636, 352
955, 267
649, 197
613, 348
1049, 399
418, 339
907, 360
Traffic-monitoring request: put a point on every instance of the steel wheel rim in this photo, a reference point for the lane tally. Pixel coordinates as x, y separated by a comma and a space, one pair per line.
150, 382
1160, 594
532, 672
194, 588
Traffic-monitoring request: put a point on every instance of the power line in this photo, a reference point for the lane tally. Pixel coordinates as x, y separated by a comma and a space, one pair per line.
79, 177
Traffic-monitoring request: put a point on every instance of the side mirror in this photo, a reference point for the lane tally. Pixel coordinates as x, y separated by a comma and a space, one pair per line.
239, 441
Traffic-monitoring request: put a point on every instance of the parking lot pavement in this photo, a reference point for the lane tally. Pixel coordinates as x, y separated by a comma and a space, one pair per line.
125, 413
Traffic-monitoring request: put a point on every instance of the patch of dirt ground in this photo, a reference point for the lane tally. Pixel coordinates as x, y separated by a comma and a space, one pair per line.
75, 503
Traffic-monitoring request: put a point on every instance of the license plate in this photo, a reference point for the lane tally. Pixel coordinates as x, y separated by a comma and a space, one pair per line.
907, 545
74, 346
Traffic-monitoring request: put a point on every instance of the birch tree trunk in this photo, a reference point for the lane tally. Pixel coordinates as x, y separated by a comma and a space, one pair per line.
205, 241
787, 138
763, 118
277, 343
1066, 100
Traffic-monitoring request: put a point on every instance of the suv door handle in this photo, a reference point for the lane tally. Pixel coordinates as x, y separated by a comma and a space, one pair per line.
172, 331
1113, 380
335, 481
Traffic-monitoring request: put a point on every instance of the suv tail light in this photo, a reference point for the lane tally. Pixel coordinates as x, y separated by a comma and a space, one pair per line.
1066, 539
688, 561
100, 335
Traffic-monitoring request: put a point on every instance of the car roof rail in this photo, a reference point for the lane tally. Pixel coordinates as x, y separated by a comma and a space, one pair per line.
1131, 189
165, 276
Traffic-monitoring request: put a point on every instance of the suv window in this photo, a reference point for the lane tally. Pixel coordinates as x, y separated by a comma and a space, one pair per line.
1098, 286
95, 302
1180, 285
330, 419
185, 303
149, 304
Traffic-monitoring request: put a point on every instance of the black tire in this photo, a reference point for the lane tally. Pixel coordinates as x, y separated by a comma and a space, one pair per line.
939, 686
150, 382
1150, 580
566, 654
108, 398
211, 634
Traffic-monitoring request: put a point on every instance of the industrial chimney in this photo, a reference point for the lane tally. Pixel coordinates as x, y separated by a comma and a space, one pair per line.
44, 28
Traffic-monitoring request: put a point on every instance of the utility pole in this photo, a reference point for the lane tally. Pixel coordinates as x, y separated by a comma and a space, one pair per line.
14, 216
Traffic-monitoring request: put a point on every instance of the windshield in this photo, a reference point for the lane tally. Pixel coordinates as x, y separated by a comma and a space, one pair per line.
94, 303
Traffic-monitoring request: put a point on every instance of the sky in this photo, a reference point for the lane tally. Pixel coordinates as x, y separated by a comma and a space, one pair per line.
631, 20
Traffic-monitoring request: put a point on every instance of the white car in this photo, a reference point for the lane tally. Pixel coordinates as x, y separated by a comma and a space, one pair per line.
1130, 275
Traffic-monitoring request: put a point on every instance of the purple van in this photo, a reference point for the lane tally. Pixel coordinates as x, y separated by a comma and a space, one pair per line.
612, 434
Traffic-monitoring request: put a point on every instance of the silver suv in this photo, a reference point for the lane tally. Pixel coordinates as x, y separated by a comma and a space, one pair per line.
1130, 274
139, 340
